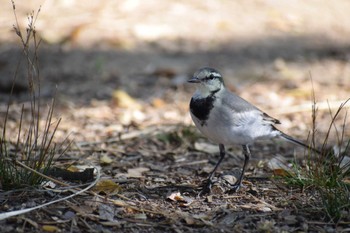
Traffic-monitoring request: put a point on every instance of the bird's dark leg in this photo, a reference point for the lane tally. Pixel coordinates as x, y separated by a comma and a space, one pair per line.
247, 155
208, 183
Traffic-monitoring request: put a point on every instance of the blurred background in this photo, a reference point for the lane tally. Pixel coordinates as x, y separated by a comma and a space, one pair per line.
122, 63
118, 72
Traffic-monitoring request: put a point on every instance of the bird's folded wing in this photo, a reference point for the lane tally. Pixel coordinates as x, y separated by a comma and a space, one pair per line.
239, 105
270, 119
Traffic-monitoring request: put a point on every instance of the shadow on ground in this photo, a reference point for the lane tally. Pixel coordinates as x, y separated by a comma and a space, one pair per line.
83, 74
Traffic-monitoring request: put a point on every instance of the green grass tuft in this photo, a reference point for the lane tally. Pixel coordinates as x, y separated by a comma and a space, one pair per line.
22, 160
325, 175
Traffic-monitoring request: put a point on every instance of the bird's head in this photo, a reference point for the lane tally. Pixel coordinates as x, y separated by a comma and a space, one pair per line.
210, 80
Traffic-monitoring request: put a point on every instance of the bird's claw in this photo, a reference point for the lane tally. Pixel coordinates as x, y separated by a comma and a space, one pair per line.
234, 188
206, 187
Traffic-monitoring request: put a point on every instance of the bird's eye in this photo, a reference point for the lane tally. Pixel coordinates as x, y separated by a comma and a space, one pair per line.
211, 77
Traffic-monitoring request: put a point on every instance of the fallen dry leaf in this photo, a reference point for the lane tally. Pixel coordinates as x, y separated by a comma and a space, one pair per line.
124, 100
177, 197
50, 228
280, 172
137, 172
107, 187
209, 199
278, 166
158, 103
231, 179
105, 160
278, 162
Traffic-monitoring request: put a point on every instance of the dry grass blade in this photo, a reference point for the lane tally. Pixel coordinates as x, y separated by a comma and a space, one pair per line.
332, 124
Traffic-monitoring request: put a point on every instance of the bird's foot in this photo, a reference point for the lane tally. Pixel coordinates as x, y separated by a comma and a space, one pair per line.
206, 187
234, 188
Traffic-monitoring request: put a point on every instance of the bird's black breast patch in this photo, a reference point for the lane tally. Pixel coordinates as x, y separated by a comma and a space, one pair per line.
200, 108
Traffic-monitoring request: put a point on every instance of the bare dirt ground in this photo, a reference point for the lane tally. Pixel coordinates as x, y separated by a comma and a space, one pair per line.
97, 52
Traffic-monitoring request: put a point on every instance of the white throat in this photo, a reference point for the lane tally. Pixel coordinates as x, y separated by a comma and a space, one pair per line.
204, 91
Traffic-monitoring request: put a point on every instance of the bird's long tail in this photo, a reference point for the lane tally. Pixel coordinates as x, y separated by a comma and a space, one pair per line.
297, 142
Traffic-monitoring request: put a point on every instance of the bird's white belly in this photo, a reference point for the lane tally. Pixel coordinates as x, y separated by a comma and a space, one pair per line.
242, 129
223, 134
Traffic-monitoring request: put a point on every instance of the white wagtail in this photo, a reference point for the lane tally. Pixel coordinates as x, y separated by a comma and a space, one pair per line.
227, 119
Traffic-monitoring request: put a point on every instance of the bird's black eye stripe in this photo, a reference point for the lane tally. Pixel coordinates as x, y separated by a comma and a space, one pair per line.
210, 77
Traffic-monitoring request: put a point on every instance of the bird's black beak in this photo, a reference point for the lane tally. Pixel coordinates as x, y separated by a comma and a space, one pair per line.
194, 80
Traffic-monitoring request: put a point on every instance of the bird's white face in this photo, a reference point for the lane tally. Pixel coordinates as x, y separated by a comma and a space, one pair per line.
209, 80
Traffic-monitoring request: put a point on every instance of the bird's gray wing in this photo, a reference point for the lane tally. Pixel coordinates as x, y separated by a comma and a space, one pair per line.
236, 103
240, 105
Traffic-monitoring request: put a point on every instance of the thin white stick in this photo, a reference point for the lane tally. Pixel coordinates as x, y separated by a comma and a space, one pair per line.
18, 212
